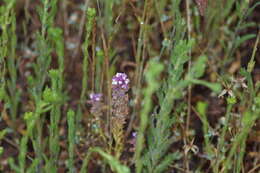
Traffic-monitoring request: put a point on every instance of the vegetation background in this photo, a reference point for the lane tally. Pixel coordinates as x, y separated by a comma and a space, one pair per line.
192, 104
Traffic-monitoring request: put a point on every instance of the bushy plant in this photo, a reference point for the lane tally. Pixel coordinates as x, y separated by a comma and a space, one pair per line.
128, 86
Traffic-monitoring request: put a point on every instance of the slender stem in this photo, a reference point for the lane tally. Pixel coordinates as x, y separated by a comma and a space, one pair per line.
71, 134
108, 83
139, 65
222, 138
186, 133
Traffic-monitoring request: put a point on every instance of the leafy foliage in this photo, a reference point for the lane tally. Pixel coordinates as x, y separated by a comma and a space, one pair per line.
176, 55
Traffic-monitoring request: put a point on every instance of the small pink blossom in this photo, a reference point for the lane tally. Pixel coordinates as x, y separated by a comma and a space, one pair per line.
120, 81
95, 97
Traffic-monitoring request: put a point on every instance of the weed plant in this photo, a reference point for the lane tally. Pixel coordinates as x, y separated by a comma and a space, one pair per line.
134, 91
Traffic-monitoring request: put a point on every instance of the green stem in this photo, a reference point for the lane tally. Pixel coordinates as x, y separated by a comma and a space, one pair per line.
220, 147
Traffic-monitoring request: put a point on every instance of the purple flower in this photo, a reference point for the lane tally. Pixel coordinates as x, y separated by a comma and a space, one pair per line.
120, 82
120, 110
95, 97
96, 104
132, 142
120, 86
134, 134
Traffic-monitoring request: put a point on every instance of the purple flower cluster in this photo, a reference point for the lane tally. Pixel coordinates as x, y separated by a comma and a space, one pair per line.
120, 86
96, 102
95, 97
119, 109
120, 82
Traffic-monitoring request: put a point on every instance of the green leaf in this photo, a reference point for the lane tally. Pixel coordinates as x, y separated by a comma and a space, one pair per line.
252, 8
54, 74
113, 162
197, 70
55, 32
180, 53
28, 116
246, 25
242, 39
202, 108
215, 87
167, 161
33, 166
231, 100
13, 165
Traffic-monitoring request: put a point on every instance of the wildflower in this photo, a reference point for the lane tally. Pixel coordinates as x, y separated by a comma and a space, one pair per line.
95, 124
95, 97
234, 84
96, 103
134, 134
120, 82
120, 86
226, 91
240, 82
191, 147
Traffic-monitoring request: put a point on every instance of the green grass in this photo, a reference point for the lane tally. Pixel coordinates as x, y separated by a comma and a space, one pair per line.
179, 62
